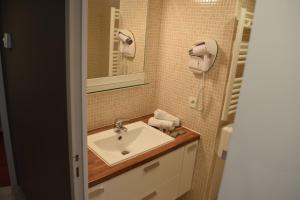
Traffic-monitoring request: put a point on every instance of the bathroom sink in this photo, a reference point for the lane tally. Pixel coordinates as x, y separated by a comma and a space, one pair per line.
114, 148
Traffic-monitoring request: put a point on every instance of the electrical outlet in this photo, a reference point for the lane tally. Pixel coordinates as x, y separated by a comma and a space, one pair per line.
192, 102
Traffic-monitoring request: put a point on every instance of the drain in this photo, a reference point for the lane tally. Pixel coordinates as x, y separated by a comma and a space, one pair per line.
125, 153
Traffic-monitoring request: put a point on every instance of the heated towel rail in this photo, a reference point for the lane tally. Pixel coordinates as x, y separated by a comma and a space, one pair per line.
114, 55
239, 55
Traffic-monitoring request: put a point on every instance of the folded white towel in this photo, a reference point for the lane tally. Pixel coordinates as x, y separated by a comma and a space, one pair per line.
163, 115
161, 124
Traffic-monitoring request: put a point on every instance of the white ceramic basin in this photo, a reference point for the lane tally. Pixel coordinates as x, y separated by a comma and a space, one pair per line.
138, 139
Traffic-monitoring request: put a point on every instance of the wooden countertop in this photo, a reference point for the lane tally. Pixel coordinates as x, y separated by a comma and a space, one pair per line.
99, 171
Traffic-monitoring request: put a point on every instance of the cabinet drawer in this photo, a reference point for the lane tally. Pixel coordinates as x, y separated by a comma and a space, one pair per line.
122, 187
166, 191
162, 169
136, 182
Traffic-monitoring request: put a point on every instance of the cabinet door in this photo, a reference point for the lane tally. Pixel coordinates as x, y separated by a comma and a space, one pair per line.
161, 170
188, 164
122, 187
138, 181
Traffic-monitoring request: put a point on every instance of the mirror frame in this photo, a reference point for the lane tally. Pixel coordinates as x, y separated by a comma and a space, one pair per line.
115, 82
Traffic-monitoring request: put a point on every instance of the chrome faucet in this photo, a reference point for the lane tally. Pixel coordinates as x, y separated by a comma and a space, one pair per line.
119, 126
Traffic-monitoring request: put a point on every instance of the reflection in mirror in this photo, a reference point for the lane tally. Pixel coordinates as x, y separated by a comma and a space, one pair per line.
116, 38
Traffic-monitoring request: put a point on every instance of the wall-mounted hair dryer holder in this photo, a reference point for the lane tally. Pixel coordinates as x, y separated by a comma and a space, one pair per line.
127, 43
203, 55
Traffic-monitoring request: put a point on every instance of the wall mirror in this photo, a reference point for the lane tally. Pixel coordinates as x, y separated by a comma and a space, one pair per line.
115, 43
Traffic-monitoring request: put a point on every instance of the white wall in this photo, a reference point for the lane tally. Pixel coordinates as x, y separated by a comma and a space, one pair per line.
264, 160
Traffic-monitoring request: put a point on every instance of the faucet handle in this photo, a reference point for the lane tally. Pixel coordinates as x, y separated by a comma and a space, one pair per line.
119, 122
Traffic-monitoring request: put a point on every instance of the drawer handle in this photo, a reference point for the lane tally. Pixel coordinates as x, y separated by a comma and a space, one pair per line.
97, 189
151, 167
150, 196
191, 148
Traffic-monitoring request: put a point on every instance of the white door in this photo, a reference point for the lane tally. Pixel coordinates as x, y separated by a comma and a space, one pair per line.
263, 161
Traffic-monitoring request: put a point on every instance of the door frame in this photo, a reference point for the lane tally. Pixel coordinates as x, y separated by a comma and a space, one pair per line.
76, 81
6, 132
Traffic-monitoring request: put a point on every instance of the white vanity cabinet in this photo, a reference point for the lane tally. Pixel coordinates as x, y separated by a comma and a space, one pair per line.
164, 178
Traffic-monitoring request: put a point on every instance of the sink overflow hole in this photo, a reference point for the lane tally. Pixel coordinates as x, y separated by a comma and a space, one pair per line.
125, 152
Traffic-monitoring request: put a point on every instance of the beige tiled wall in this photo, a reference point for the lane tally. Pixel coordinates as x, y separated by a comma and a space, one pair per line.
105, 107
183, 23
